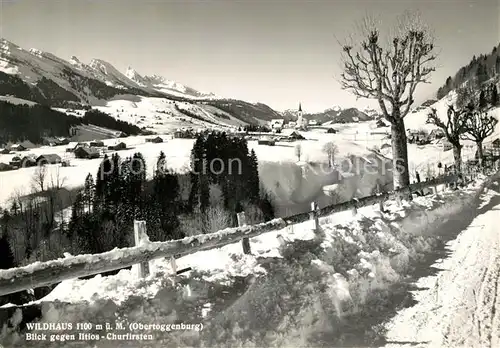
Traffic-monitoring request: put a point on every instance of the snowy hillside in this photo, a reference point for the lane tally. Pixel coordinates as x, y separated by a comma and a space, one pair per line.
417, 120
41, 77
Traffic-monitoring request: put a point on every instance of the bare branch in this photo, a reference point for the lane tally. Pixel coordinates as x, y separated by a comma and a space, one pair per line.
39, 178
454, 127
478, 125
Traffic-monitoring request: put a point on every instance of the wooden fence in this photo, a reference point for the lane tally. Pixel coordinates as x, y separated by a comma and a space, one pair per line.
42, 274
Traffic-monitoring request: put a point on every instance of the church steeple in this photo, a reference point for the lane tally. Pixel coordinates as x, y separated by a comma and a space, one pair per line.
300, 107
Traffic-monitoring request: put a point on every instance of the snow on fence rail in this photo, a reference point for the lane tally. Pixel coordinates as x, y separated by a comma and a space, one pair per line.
40, 274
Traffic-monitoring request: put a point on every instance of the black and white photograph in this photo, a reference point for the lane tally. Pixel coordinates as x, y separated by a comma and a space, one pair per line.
250, 173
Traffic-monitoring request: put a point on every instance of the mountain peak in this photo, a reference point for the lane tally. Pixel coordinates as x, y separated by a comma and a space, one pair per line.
131, 73
6, 45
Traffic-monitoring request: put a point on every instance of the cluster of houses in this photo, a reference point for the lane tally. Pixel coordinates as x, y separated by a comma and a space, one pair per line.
421, 137
88, 150
278, 125
22, 146
185, 133
30, 161
28, 145
93, 149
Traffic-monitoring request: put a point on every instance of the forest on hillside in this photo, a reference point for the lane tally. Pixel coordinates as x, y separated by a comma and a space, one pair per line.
475, 74
32, 122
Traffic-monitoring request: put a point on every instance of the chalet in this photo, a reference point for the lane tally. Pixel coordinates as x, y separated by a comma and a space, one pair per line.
50, 141
292, 134
26, 161
17, 147
331, 131
268, 142
178, 134
27, 144
277, 124
74, 145
184, 134
4, 151
15, 161
117, 147
48, 159
4, 167
156, 140
87, 152
496, 143
313, 123
96, 143
437, 133
415, 136
63, 141
380, 123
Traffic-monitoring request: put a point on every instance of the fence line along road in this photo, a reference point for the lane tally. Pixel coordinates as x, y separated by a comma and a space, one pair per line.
41, 274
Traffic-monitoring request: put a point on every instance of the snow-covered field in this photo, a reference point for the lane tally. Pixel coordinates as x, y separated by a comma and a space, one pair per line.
18, 182
357, 258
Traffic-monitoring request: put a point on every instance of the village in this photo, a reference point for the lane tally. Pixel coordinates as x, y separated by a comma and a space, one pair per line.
276, 131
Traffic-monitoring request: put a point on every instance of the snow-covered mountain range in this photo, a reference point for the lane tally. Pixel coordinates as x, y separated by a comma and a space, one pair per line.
81, 82
41, 77
37, 76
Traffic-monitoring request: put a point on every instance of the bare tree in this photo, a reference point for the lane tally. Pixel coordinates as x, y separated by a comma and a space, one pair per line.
39, 178
298, 151
331, 150
216, 219
453, 128
479, 125
390, 74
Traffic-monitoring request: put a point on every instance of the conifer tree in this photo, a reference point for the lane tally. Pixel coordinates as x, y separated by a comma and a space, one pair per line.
494, 95
482, 100
254, 182
88, 193
200, 194
165, 199
481, 74
6, 256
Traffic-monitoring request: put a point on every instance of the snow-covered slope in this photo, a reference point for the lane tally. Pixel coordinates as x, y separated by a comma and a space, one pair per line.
32, 65
42, 77
417, 119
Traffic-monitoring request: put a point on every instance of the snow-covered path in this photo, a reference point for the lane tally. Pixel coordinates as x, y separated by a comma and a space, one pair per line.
460, 305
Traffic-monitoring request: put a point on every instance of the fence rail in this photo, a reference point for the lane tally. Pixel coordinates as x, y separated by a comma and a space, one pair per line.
42, 274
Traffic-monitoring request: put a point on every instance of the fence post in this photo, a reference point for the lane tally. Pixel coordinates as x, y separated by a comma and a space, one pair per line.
398, 196
173, 265
313, 215
381, 203
140, 236
354, 207
245, 242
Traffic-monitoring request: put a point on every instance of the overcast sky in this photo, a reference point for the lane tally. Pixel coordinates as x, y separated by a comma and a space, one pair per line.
274, 51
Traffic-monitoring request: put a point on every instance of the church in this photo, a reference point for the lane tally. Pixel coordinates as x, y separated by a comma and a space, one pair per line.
301, 121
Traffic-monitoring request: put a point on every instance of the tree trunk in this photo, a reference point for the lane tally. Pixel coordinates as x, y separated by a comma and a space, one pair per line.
479, 145
401, 176
457, 155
